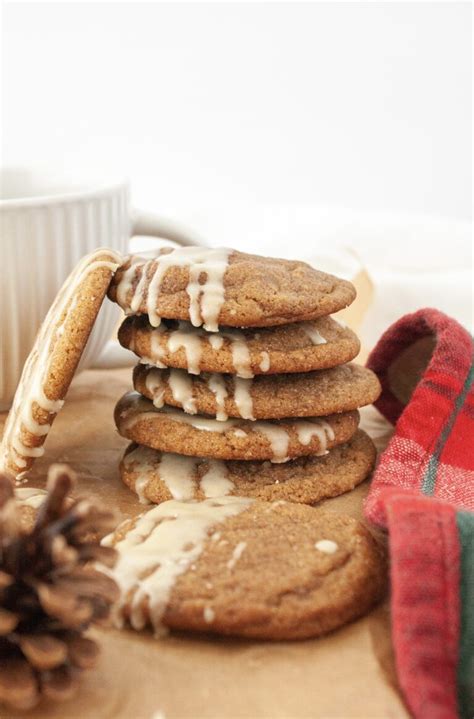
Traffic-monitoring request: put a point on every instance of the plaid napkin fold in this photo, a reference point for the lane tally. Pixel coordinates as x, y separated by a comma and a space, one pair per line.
423, 494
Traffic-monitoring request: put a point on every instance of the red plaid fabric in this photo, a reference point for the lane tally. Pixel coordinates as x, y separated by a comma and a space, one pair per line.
423, 493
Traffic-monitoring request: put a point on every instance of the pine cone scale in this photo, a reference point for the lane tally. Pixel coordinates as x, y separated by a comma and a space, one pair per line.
83, 652
50, 592
43, 651
59, 684
18, 685
8, 621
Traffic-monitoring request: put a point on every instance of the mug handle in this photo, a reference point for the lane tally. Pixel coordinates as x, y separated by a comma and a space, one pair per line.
153, 225
147, 224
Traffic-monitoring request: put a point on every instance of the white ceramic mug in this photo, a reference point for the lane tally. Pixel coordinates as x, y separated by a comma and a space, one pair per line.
46, 225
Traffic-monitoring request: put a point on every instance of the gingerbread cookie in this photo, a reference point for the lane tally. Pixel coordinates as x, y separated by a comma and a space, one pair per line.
309, 394
212, 287
159, 476
247, 568
50, 367
172, 430
247, 352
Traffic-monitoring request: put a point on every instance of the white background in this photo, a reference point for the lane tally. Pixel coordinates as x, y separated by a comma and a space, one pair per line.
361, 105
267, 125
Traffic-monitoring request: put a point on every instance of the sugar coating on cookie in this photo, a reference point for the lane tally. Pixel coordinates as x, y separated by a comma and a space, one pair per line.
51, 364
308, 394
172, 430
295, 347
247, 568
159, 476
218, 286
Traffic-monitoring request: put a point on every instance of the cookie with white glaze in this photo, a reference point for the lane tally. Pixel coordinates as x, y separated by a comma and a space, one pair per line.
159, 476
53, 360
172, 430
300, 347
246, 568
308, 394
211, 287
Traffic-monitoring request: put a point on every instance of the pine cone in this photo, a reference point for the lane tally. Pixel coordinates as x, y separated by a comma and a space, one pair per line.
50, 591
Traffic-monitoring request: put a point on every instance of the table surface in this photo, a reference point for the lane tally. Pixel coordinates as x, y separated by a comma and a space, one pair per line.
347, 674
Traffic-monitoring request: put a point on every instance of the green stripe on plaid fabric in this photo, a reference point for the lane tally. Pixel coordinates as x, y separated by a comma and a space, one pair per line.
465, 524
429, 480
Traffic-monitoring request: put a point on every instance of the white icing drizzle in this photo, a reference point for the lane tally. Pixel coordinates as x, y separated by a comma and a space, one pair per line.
155, 386
340, 322
158, 715
191, 343
239, 349
209, 615
240, 353
140, 460
181, 386
164, 543
30, 496
156, 350
236, 554
265, 361
190, 339
306, 430
35, 371
137, 409
205, 300
198, 422
175, 471
140, 487
243, 398
178, 472
126, 282
215, 483
216, 342
216, 384
279, 440
327, 546
140, 410
313, 333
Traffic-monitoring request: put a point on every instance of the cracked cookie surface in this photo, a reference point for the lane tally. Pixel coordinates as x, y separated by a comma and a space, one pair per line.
172, 430
251, 569
309, 394
300, 347
247, 290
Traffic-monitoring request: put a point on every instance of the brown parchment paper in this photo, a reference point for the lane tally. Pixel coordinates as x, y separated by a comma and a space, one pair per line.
349, 673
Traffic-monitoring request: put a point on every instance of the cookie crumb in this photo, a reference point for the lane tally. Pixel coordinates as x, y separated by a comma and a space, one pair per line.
209, 615
237, 553
327, 546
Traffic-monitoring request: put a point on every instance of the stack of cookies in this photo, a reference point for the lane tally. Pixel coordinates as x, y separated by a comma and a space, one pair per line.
244, 384
246, 405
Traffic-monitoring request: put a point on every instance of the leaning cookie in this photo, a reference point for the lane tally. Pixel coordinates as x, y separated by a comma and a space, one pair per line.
246, 568
159, 476
50, 367
300, 347
308, 394
213, 287
172, 430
